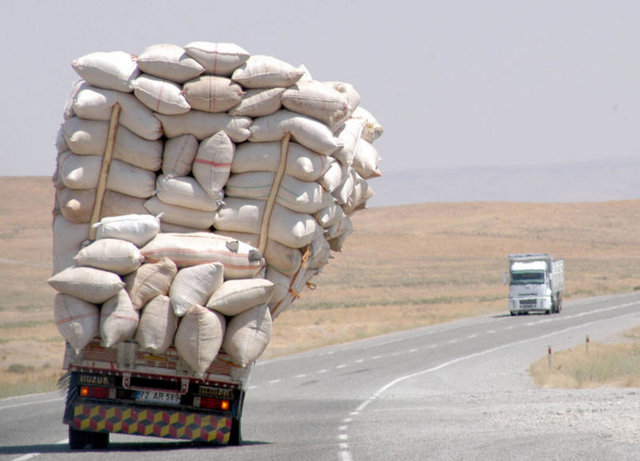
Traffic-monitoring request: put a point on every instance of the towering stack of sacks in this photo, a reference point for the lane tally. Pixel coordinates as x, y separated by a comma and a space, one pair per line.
198, 191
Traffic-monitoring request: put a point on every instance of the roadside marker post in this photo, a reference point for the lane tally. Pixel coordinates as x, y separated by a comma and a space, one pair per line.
587, 344
549, 356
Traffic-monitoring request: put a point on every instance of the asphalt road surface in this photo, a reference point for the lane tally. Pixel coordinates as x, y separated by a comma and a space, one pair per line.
455, 391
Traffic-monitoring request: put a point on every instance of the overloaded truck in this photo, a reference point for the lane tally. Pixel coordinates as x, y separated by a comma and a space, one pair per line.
127, 390
198, 190
536, 283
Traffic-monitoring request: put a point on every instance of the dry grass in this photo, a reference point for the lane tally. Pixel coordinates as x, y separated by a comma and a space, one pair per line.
598, 365
403, 267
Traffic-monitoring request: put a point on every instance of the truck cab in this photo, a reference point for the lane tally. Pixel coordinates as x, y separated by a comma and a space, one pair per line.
536, 283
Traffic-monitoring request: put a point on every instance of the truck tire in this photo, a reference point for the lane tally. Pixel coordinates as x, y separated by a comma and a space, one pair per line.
236, 437
86, 440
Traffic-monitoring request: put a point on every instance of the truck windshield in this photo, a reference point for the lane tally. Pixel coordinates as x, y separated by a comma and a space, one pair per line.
527, 277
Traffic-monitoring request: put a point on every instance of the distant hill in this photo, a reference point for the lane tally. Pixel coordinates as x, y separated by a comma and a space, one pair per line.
595, 181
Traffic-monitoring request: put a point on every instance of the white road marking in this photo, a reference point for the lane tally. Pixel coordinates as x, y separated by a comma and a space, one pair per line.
345, 454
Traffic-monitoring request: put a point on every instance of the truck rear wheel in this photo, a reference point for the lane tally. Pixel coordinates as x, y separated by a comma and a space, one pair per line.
86, 440
236, 437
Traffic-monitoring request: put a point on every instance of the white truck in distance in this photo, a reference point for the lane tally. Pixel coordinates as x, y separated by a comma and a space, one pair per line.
536, 283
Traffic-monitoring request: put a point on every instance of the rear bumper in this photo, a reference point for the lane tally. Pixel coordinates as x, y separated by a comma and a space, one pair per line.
157, 422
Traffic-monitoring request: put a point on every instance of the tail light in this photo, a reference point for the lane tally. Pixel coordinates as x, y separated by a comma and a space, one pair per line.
96, 392
212, 404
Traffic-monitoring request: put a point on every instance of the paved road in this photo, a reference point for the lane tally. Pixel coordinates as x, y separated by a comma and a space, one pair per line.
454, 391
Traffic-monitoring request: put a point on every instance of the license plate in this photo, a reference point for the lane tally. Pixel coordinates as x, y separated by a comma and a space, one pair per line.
167, 398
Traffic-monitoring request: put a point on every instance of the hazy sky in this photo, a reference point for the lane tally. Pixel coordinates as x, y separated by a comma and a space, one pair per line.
454, 83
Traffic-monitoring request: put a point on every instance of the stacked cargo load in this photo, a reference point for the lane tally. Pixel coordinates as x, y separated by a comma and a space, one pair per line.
199, 190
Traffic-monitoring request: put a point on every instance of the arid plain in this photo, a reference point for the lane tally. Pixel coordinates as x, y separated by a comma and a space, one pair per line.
403, 267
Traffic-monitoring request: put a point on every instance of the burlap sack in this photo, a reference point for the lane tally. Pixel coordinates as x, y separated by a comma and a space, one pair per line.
86, 283
259, 102
150, 281
135, 228
89, 137
194, 285
77, 205
204, 124
199, 337
67, 241
178, 155
170, 62
185, 191
239, 259
77, 320
237, 296
302, 163
113, 70
247, 335
161, 96
118, 320
114, 255
93, 103
212, 164
157, 326
217, 58
307, 131
211, 93
261, 71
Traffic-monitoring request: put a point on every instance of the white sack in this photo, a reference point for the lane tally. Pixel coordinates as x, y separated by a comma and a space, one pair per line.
114, 255
86, 283
194, 285
169, 61
113, 70
204, 124
310, 133
67, 241
149, 281
199, 337
239, 259
178, 215
237, 296
77, 205
160, 95
93, 103
286, 260
157, 326
372, 129
248, 335
317, 100
178, 155
332, 178
212, 164
348, 135
212, 93
184, 191
83, 172
118, 320
135, 228
292, 229
302, 163
293, 194
217, 58
366, 160
261, 71
77, 320
89, 137
259, 102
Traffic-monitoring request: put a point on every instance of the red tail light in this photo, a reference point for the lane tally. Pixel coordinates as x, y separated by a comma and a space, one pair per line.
95, 392
214, 404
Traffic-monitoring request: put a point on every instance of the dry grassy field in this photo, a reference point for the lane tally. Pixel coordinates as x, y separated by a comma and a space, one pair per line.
403, 267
